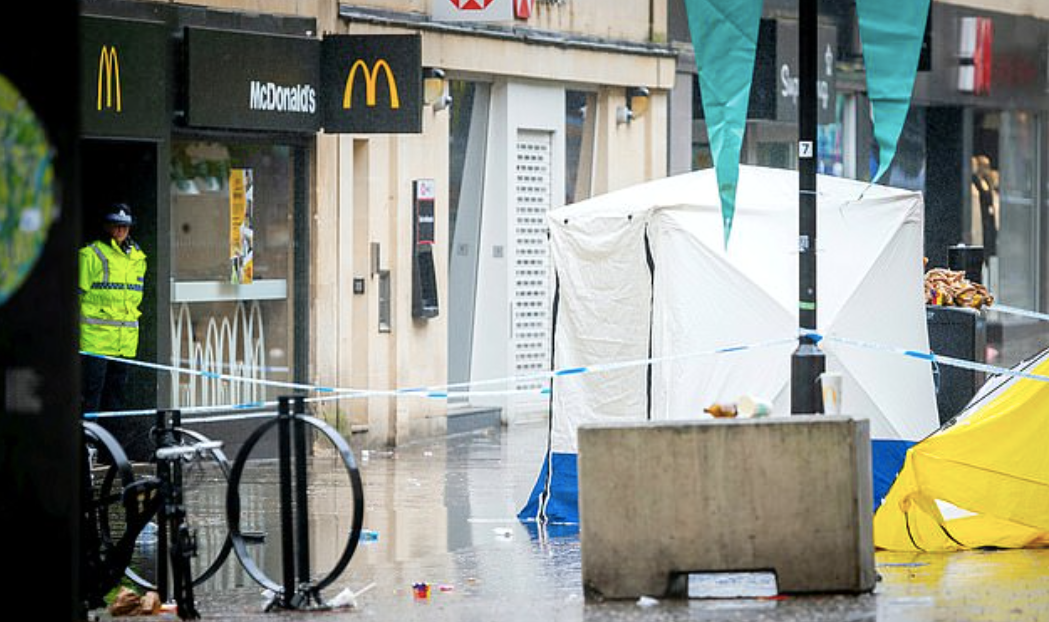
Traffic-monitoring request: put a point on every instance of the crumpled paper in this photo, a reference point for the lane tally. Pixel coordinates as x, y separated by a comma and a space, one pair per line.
129, 603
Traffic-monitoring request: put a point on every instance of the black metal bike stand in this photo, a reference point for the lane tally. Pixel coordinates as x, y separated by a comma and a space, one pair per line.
297, 588
183, 543
306, 595
299, 591
163, 436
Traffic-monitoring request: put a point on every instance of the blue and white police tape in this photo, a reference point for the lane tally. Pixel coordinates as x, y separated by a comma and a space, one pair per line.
441, 392
1015, 311
465, 389
210, 375
938, 359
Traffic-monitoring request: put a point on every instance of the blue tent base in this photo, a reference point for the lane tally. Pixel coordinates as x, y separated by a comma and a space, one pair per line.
554, 499
887, 458
555, 496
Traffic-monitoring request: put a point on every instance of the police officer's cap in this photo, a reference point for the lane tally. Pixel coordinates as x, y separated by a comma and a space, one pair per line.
119, 214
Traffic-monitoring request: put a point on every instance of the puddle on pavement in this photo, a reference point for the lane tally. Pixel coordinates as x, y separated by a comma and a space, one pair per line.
443, 513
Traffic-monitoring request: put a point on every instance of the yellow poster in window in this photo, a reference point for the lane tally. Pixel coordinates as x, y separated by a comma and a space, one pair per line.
241, 225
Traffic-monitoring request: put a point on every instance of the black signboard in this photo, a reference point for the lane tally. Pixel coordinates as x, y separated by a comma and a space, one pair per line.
123, 78
763, 85
252, 81
372, 84
787, 72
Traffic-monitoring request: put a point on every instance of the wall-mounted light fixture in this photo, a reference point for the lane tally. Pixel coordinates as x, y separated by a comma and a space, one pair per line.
637, 98
435, 92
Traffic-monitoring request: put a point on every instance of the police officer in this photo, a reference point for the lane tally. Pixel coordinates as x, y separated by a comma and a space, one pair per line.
112, 272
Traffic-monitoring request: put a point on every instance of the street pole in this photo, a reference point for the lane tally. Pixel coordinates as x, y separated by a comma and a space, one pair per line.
808, 361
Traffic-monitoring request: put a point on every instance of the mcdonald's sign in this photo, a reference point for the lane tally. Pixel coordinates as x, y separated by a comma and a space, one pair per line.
252, 80
123, 78
372, 83
371, 76
108, 78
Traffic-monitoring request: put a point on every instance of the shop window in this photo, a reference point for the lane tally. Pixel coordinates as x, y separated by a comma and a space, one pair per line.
579, 144
460, 121
701, 155
232, 270
467, 144
1013, 177
830, 141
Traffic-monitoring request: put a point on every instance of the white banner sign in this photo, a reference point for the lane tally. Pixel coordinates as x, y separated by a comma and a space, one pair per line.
473, 10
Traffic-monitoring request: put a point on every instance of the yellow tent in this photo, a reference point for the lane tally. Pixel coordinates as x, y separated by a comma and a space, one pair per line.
980, 481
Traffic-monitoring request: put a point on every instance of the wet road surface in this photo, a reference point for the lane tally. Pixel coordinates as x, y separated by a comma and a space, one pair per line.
443, 513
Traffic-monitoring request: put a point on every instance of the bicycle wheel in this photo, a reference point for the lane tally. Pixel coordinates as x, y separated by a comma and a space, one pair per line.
201, 475
343, 501
115, 507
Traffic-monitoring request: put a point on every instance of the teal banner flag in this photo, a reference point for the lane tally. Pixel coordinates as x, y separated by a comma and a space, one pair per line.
891, 33
725, 40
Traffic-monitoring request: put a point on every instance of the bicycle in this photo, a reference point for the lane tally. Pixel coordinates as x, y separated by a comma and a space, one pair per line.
118, 505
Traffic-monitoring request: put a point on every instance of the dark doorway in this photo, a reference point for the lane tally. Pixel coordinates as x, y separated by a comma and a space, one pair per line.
124, 171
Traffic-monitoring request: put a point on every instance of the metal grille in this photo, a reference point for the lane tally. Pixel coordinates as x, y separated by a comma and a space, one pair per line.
530, 308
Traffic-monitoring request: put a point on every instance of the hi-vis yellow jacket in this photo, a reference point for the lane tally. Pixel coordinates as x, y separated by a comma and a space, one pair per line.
110, 287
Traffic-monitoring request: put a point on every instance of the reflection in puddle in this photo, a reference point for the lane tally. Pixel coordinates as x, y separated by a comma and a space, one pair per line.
443, 514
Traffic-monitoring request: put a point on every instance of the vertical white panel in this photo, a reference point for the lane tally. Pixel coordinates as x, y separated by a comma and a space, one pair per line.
533, 116
530, 332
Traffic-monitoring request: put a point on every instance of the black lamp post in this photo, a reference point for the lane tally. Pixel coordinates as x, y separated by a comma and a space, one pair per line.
808, 361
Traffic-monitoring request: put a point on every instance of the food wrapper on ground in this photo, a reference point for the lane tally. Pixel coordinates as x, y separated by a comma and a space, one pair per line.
126, 603
150, 604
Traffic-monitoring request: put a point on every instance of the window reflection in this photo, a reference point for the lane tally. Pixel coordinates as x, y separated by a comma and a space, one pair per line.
239, 334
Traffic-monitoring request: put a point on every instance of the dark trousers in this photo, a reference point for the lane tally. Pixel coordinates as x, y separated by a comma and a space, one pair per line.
103, 385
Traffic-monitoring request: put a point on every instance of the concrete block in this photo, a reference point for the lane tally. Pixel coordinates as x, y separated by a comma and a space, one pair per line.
660, 500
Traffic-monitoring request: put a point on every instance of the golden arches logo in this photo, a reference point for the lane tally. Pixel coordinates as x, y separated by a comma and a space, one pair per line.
371, 76
109, 69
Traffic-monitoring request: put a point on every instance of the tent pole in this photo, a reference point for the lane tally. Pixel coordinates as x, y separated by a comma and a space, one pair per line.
808, 361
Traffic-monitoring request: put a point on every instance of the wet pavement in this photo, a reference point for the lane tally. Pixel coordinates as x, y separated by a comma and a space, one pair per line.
443, 513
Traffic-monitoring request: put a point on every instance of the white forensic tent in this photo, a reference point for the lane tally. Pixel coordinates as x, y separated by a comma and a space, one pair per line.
643, 273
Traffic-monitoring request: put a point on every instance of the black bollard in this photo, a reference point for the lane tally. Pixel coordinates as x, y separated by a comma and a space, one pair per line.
301, 488
163, 436
287, 519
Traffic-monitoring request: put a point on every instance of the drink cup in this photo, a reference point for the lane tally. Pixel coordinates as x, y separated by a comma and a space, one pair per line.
830, 382
751, 406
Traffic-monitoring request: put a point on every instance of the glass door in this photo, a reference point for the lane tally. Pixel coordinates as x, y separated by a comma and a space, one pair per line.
1016, 179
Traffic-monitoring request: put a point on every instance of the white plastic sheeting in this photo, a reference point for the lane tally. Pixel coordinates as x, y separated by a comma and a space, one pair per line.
698, 297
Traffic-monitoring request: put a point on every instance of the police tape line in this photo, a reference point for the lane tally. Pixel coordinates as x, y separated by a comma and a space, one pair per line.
439, 392
931, 357
1015, 311
457, 390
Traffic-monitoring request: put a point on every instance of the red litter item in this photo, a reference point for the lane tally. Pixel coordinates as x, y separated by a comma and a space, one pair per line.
421, 590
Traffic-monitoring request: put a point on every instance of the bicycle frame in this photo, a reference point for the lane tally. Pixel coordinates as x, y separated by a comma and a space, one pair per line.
103, 560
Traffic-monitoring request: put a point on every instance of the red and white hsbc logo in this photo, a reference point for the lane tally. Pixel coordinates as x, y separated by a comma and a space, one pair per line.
523, 8
473, 10
471, 5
